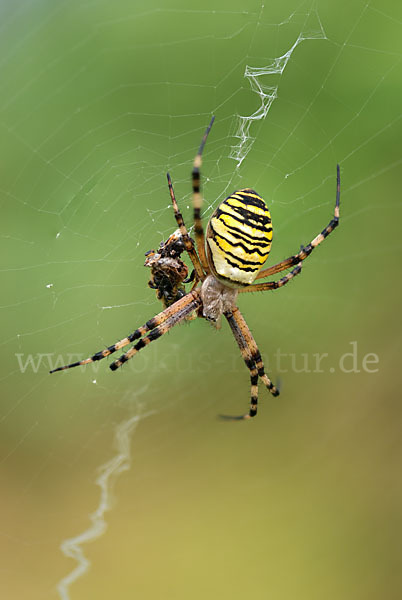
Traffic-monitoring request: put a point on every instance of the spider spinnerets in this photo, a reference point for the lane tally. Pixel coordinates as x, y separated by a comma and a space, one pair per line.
226, 262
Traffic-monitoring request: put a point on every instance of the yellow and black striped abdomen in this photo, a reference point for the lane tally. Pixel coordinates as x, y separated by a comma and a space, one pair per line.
239, 238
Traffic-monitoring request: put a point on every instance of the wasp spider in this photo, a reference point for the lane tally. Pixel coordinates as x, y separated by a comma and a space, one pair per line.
226, 261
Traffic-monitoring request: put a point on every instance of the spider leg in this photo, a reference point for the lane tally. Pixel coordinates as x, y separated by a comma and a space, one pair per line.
188, 242
272, 285
197, 200
174, 319
250, 364
190, 278
255, 353
252, 358
188, 299
307, 250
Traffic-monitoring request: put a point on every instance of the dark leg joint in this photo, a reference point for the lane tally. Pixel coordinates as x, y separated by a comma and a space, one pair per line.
139, 345
134, 336
257, 356
154, 335
249, 363
150, 324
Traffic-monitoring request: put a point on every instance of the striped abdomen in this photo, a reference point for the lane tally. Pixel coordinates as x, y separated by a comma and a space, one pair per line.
239, 238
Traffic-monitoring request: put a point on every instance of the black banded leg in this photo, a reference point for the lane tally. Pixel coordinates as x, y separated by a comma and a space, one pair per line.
255, 353
250, 364
307, 250
272, 285
138, 333
197, 200
158, 331
107, 351
188, 243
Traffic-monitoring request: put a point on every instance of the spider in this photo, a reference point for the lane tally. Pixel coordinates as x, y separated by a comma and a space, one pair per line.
226, 262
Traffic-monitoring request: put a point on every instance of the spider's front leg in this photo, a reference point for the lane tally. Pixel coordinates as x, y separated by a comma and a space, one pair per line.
255, 353
250, 364
252, 359
151, 325
178, 315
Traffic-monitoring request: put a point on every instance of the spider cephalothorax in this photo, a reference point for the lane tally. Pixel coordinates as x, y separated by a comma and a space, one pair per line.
217, 299
227, 262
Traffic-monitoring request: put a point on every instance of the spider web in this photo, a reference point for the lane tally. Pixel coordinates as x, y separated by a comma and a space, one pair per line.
98, 102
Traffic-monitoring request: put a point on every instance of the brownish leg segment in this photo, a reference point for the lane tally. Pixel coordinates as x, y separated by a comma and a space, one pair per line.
197, 200
307, 250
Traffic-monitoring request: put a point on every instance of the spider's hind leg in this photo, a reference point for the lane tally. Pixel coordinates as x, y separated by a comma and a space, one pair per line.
305, 251
198, 200
188, 242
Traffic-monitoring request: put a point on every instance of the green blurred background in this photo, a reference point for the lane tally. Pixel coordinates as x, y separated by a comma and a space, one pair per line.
98, 100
